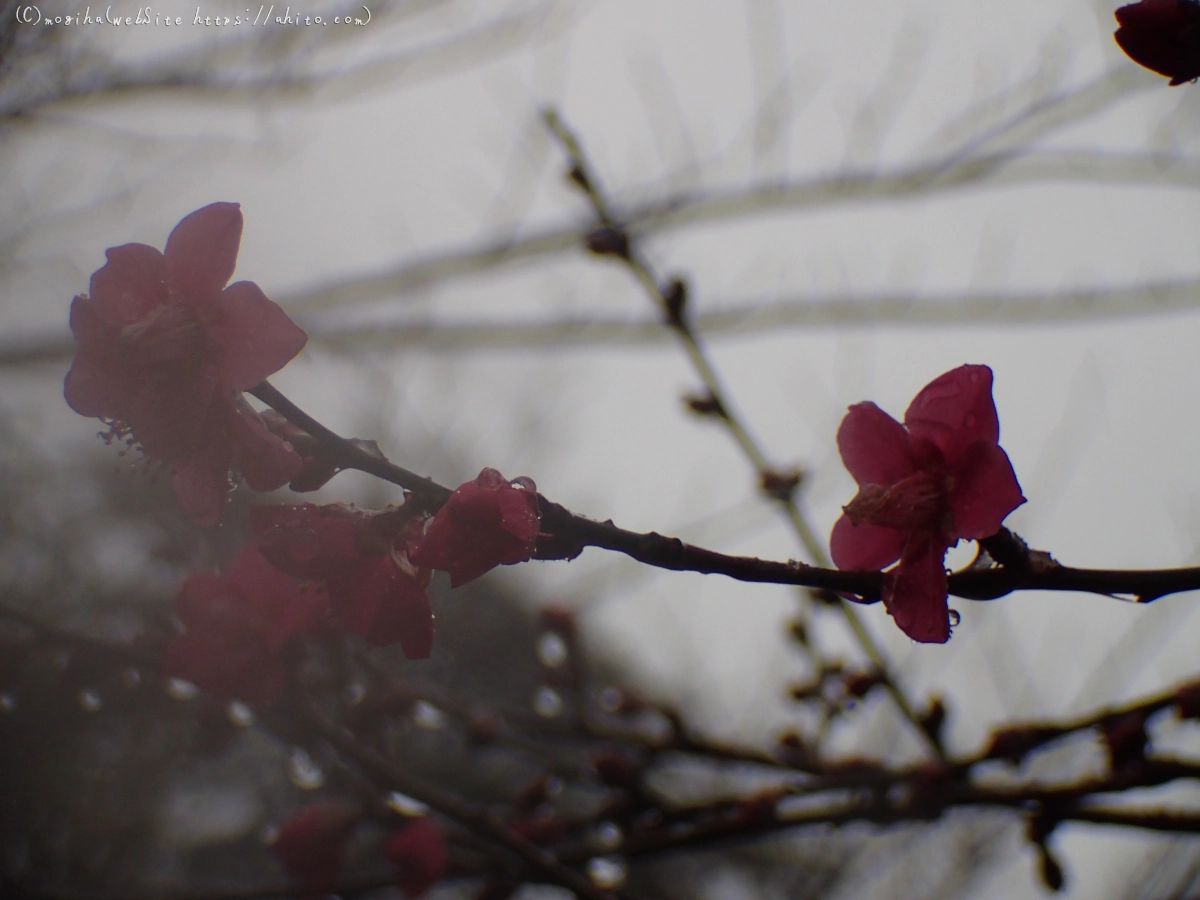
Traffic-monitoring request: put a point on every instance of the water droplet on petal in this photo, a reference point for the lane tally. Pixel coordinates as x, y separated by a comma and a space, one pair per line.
552, 649
426, 715
303, 772
90, 700
955, 617
355, 692
7, 703
607, 836
240, 714
547, 703
607, 872
404, 805
524, 483
181, 690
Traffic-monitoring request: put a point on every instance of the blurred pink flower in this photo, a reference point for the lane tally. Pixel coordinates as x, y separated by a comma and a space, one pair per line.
311, 844
418, 850
939, 478
373, 590
236, 627
165, 350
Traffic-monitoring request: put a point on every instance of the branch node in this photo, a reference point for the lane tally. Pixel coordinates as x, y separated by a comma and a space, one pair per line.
608, 240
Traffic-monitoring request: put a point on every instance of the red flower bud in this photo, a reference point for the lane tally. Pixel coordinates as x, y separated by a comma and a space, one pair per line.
419, 852
486, 523
310, 844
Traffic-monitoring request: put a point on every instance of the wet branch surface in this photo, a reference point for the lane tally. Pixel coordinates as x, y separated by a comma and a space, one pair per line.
565, 534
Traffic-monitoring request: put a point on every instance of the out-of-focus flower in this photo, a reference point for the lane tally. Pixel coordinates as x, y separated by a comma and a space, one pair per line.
486, 523
939, 478
418, 850
1163, 36
165, 350
310, 844
373, 590
236, 629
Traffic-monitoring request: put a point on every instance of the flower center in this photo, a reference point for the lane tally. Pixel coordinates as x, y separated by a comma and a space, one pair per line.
167, 334
920, 502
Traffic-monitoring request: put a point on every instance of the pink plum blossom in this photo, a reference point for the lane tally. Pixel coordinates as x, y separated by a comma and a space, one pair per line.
165, 351
939, 478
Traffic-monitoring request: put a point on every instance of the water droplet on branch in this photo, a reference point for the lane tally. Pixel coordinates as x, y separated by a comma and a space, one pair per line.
303, 772
547, 703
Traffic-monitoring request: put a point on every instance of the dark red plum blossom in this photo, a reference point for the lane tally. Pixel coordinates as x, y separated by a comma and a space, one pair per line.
418, 850
939, 478
1163, 36
486, 523
373, 590
311, 843
165, 350
316, 468
237, 626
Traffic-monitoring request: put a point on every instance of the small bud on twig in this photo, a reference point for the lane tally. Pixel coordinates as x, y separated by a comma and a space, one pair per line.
779, 485
608, 241
578, 177
675, 298
705, 405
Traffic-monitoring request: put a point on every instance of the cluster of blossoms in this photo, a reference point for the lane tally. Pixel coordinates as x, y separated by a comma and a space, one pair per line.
166, 349
319, 567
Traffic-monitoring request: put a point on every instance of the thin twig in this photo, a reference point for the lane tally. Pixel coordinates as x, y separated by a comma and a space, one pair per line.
575, 532
475, 818
677, 319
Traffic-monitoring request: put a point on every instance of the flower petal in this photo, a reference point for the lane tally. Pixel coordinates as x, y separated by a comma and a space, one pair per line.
202, 251
201, 490
419, 851
285, 610
915, 592
864, 547
985, 492
264, 460
874, 446
311, 843
130, 285
95, 384
257, 336
385, 606
201, 598
955, 410
1162, 36
172, 414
